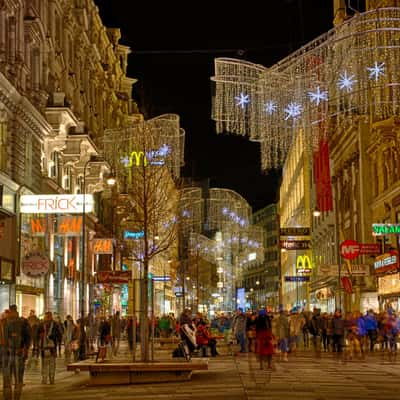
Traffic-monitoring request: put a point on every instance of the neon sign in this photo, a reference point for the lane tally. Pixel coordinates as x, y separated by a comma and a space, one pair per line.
384, 229
153, 157
133, 235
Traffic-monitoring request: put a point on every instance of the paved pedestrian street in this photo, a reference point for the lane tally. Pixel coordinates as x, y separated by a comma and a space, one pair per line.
239, 377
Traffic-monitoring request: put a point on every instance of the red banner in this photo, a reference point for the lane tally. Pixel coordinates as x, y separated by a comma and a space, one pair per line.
322, 177
347, 285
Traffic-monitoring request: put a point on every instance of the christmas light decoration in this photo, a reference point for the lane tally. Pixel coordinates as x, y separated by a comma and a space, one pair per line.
293, 110
270, 107
242, 100
357, 63
318, 96
376, 71
346, 81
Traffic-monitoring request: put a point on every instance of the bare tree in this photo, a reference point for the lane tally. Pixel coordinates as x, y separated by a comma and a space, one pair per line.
147, 160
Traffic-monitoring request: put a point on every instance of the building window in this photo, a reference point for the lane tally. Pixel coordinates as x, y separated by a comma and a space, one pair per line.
3, 146
67, 177
28, 160
54, 164
79, 184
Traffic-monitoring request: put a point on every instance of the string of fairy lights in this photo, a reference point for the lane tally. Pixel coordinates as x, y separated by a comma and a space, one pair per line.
351, 72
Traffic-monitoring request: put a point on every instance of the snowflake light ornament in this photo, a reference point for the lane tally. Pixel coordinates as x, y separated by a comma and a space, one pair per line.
293, 110
376, 71
270, 107
346, 81
318, 96
125, 161
242, 100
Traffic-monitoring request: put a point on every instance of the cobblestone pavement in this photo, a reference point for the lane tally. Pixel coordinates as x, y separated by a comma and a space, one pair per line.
239, 377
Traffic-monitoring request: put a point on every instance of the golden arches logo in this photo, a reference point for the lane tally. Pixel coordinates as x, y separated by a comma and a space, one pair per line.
303, 264
134, 158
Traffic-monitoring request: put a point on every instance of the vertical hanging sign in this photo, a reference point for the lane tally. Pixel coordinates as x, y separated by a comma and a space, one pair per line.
322, 177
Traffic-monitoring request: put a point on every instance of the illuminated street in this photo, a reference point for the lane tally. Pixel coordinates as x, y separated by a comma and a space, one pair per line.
302, 378
201, 216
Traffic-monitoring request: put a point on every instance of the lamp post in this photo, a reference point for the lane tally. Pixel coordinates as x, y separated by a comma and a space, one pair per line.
110, 181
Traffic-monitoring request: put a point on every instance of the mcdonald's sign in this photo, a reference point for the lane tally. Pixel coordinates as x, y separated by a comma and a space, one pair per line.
135, 159
303, 265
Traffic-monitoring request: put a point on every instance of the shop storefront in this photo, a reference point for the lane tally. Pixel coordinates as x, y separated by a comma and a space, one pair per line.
386, 269
8, 242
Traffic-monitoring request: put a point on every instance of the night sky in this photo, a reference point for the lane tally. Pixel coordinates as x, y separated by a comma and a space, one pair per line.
173, 53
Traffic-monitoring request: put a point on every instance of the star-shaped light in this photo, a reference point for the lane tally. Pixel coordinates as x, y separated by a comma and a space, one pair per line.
125, 161
293, 110
270, 107
164, 150
346, 81
376, 71
242, 100
318, 96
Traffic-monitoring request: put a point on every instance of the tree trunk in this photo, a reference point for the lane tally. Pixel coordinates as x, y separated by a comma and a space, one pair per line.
144, 319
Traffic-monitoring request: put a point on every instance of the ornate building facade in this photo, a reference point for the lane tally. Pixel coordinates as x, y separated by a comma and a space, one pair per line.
62, 82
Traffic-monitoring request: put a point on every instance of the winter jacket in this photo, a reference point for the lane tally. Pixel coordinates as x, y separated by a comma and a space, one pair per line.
370, 322
337, 326
362, 330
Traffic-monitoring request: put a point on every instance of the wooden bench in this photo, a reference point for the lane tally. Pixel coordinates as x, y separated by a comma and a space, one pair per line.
167, 341
140, 372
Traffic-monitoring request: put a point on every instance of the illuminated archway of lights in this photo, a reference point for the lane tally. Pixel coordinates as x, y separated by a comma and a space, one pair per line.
340, 76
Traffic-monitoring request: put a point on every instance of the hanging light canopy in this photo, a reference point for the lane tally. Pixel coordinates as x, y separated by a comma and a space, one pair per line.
350, 73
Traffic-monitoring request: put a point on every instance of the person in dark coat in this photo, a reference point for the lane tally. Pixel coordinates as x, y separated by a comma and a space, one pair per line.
264, 339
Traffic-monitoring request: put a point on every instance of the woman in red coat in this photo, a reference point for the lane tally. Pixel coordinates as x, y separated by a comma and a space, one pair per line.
204, 339
264, 339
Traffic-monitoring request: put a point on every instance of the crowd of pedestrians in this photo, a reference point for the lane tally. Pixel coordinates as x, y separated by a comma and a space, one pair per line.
30, 342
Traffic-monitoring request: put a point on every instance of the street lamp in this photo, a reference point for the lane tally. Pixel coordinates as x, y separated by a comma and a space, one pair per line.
110, 181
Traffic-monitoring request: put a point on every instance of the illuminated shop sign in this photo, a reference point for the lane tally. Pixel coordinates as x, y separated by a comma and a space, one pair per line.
303, 265
153, 157
386, 262
66, 225
56, 203
133, 235
295, 244
161, 278
385, 229
102, 246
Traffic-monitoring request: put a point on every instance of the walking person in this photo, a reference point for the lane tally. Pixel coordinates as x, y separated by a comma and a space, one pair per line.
264, 347
47, 338
239, 329
296, 324
283, 334
60, 333
3, 321
116, 332
34, 322
71, 336
17, 337
315, 328
371, 326
337, 333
